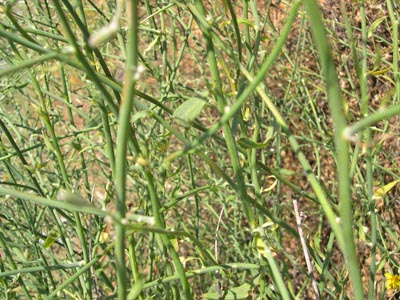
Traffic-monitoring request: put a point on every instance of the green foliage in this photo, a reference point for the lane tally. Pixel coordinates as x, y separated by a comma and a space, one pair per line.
151, 150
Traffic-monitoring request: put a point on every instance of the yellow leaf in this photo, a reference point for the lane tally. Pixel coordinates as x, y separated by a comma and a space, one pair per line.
378, 72
103, 237
175, 244
382, 191
259, 246
272, 186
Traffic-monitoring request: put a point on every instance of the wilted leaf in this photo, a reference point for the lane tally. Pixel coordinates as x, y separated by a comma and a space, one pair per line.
272, 186
378, 72
382, 191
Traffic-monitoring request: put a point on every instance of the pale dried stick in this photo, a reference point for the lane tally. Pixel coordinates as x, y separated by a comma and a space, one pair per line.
217, 276
304, 247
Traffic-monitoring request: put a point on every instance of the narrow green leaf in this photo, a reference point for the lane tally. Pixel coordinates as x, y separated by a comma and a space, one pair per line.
374, 25
245, 21
249, 144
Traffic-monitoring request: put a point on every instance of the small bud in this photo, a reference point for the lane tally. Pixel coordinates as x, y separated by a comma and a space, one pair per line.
139, 71
142, 162
104, 34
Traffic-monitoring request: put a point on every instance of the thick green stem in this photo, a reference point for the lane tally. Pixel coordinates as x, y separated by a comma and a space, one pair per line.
124, 129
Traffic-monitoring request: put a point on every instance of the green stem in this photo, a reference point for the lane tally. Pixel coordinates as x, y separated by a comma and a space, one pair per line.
9, 256
222, 105
370, 120
124, 130
81, 57
394, 19
342, 147
244, 96
362, 78
28, 63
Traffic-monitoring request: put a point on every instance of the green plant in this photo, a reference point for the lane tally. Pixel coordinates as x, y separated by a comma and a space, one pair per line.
174, 180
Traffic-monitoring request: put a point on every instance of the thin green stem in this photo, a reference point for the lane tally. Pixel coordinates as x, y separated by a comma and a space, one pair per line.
164, 241
342, 147
370, 120
204, 270
73, 41
64, 205
19, 153
78, 273
312, 179
11, 262
244, 96
222, 107
393, 8
236, 28
364, 107
28, 63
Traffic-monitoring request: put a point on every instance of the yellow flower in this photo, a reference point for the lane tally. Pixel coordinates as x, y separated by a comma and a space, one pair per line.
392, 281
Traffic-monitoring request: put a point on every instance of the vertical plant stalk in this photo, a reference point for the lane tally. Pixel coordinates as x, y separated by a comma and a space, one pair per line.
342, 146
196, 197
312, 179
44, 116
124, 129
275, 270
228, 3
163, 240
362, 78
222, 105
393, 7
80, 21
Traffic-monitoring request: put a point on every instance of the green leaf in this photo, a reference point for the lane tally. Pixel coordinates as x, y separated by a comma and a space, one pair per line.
374, 25
245, 21
140, 115
51, 238
316, 245
188, 111
236, 293
249, 144
71, 197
